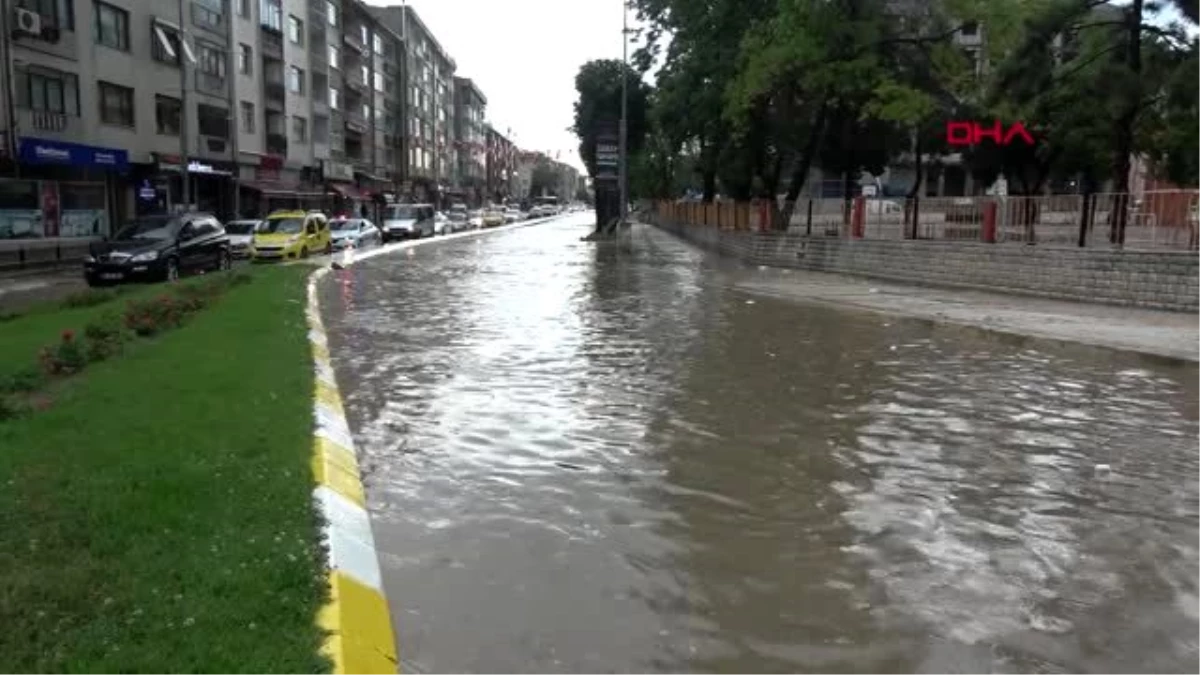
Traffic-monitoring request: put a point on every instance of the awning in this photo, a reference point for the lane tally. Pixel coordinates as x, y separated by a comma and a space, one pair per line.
346, 190
280, 190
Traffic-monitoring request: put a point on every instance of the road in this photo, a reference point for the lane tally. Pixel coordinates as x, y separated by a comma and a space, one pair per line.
582, 459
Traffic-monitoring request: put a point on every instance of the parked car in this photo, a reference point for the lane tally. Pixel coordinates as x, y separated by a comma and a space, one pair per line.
159, 247
241, 236
475, 220
408, 221
458, 220
493, 217
356, 232
289, 235
441, 224
511, 215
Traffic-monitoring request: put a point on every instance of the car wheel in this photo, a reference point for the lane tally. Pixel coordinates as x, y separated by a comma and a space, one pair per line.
226, 262
172, 272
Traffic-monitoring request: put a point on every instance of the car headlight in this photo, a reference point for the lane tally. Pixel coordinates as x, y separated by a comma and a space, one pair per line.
145, 257
89, 259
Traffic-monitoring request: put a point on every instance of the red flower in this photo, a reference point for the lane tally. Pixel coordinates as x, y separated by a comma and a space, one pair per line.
67, 335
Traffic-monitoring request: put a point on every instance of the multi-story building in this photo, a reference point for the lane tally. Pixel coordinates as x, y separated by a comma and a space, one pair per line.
470, 110
428, 107
119, 107
501, 168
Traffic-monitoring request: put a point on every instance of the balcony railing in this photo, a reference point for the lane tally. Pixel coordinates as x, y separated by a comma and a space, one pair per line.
272, 43
352, 39
277, 144
355, 122
274, 92
43, 120
213, 84
354, 80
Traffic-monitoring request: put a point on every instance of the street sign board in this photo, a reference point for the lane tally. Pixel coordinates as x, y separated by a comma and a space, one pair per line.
608, 150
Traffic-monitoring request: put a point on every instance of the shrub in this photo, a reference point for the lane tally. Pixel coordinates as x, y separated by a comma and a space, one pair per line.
64, 357
148, 317
22, 381
90, 297
8, 408
103, 337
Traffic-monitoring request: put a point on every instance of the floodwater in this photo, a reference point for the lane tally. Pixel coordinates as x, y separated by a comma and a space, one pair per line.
586, 460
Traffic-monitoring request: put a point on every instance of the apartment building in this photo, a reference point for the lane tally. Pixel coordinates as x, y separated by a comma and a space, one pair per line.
431, 159
501, 169
123, 107
470, 111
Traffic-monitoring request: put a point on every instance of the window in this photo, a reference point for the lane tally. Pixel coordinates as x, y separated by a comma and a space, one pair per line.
211, 60
378, 81
366, 111
51, 91
378, 43
245, 59
247, 117
271, 14
299, 129
365, 34
333, 98
112, 26
295, 30
167, 112
56, 13
164, 44
331, 11
212, 121
295, 80
366, 73
244, 8
116, 104
208, 13
970, 28
335, 56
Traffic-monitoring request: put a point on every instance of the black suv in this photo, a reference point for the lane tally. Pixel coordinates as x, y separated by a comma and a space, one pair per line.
159, 247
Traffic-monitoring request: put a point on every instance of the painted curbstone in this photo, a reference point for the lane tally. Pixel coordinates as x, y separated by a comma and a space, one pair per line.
360, 635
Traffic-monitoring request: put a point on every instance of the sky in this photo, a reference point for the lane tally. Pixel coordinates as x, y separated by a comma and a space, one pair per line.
523, 55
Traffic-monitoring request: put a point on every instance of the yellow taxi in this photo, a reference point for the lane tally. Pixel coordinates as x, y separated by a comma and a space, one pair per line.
289, 235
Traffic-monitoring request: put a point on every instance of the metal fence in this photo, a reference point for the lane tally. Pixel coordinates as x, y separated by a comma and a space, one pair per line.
1163, 219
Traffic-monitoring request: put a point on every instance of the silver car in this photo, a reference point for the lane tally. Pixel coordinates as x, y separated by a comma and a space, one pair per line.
241, 236
356, 232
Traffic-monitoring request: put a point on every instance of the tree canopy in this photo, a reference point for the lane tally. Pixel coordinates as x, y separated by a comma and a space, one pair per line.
750, 95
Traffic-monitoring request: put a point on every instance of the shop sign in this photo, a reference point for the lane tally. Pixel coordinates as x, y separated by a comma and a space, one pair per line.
38, 151
146, 191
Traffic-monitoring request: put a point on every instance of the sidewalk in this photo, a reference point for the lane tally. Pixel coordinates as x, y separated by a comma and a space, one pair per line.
1161, 333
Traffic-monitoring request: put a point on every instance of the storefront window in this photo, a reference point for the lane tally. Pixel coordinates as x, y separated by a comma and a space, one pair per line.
83, 210
20, 210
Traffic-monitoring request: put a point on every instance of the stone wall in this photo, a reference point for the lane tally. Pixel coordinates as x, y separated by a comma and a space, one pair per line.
1154, 279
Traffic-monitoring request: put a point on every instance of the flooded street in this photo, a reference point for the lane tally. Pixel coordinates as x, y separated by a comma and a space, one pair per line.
581, 460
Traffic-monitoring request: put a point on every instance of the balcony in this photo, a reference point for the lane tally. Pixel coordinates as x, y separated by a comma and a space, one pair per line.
212, 84
353, 79
351, 39
51, 124
277, 144
275, 95
355, 122
271, 43
212, 146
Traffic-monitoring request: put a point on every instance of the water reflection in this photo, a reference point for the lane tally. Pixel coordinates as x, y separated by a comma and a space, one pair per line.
584, 461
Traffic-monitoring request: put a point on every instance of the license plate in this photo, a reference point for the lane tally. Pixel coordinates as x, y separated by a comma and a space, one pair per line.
112, 276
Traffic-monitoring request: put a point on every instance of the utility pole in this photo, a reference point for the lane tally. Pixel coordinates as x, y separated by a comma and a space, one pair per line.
624, 132
183, 108
9, 88
231, 70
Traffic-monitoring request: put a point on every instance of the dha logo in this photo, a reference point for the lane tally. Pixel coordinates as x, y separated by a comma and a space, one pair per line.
972, 133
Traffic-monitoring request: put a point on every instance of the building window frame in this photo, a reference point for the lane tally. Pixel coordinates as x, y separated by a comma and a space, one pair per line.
168, 115
295, 29
116, 34
295, 80
245, 59
246, 109
116, 103
299, 129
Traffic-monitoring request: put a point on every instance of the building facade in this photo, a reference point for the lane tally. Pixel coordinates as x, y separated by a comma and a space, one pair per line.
470, 138
501, 168
116, 108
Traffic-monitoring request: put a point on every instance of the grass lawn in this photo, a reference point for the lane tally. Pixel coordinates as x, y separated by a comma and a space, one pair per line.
158, 516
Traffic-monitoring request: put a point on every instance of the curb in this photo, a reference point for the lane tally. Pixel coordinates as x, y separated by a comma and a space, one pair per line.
360, 636
413, 243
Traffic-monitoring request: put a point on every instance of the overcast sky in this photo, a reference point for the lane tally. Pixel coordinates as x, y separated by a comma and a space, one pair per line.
523, 55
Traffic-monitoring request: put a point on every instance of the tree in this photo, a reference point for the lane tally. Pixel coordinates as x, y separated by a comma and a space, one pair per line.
544, 179
599, 87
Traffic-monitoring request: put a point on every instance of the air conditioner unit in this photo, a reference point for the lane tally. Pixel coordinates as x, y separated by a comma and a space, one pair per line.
27, 22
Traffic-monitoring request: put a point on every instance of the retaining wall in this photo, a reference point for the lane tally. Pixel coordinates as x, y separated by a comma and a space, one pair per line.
1153, 279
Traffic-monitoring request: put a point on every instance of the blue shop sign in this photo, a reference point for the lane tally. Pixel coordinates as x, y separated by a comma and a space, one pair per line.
38, 151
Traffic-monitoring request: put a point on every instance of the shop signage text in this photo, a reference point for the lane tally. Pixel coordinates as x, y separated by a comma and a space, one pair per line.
973, 133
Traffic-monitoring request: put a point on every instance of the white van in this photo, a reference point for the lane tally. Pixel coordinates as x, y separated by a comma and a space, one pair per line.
408, 221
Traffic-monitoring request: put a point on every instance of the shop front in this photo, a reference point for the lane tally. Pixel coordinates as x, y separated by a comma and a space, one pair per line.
272, 186
209, 186
65, 190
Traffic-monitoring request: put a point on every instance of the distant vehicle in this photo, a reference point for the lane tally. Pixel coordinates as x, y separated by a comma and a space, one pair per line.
241, 236
493, 217
356, 232
475, 220
442, 224
549, 204
158, 248
288, 235
408, 221
511, 215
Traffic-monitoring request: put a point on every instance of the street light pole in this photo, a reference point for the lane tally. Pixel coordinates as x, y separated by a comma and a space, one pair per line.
624, 131
183, 108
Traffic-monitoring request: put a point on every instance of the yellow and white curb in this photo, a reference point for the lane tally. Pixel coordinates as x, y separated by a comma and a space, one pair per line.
360, 637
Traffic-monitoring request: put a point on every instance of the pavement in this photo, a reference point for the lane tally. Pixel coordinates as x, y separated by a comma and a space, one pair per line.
1172, 335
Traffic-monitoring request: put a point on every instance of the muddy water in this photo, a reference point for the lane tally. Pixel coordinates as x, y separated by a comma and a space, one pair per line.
581, 460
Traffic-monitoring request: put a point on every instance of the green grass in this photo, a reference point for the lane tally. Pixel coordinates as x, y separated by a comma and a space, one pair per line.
158, 516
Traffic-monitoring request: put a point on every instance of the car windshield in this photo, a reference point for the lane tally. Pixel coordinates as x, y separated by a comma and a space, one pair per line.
346, 225
241, 226
282, 226
150, 227
403, 213
458, 215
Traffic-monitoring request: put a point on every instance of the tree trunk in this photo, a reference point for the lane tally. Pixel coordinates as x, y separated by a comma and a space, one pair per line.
800, 172
1123, 131
914, 193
